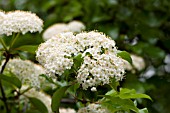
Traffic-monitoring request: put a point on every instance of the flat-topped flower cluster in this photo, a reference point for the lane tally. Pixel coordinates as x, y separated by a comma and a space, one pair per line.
73, 26
19, 21
27, 71
99, 53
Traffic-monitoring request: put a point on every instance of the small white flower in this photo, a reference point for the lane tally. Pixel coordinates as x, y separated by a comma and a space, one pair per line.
93, 89
66, 110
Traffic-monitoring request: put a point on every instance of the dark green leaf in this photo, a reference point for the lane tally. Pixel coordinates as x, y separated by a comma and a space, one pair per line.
114, 84
11, 79
33, 111
38, 104
125, 55
47, 78
28, 48
57, 97
72, 89
77, 61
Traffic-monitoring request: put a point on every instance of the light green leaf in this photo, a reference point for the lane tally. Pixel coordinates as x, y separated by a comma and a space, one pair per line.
125, 55
111, 92
38, 104
11, 79
131, 94
57, 97
144, 110
28, 48
115, 104
125, 91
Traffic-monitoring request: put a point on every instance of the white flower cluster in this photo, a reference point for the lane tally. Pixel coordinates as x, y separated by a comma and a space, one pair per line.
73, 26
100, 60
93, 108
19, 21
76, 26
26, 71
66, 110
55, 29
138, 63
55, 54
2, 16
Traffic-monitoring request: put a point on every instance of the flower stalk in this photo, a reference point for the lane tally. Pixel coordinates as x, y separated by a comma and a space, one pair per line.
3, 44
14, 38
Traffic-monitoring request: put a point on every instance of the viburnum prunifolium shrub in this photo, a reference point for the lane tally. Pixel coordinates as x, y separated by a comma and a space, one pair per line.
98, 61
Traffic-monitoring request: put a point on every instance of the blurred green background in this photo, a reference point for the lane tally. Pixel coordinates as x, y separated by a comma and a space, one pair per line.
141, 27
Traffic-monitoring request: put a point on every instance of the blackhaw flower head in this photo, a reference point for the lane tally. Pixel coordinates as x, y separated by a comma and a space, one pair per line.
27, 71
19, 22
99, 53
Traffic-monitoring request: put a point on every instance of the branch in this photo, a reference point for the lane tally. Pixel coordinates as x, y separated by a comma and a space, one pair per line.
1, 88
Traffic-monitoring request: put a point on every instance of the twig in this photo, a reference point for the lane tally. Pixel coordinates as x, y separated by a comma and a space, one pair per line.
67, 100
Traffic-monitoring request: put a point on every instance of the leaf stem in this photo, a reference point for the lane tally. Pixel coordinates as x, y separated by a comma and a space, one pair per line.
14, 38
3, 44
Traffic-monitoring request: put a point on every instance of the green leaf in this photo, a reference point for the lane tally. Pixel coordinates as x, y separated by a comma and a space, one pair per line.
131, 94
28, 48
57, 83
144, 110
77, 61
72, 89
38, 104
57, 97
47, 78
125, 91
112, 93
11, 79
114, 84
115, 104
125, 55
